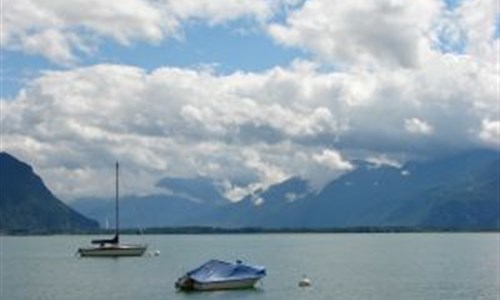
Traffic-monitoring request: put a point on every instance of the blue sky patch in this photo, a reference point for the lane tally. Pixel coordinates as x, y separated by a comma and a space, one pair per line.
19, 68
226, 49
221, 46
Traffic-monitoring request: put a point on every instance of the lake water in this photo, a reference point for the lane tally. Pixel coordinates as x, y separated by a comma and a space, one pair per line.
340, 266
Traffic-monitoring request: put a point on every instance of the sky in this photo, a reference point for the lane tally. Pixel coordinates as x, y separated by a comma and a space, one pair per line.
247, 92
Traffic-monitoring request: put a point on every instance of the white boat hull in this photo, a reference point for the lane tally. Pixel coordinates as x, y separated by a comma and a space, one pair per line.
113, 251
226, 285
187, 284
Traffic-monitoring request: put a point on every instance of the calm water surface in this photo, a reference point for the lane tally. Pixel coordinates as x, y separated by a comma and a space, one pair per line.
341, 266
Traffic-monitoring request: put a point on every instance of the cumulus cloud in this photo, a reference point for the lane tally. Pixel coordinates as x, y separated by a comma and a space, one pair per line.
359, 32
250, 130
57, 29
373, 34
479, 20
344, 33
332, 160
220, 11
183, 122
62, 30
388, 33
418, 127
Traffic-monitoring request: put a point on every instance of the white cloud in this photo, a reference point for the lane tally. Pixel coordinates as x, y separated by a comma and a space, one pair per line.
249, 130
391, 33
490, 133
53, 44
181, 122
418, 127
383, 160
220, 11
478, 19
268, 173
62, 30
58, 29
333, 160
385, 33
184, 122
236, 193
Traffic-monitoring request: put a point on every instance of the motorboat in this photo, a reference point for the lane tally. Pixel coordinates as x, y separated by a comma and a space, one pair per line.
220, 275
113, 247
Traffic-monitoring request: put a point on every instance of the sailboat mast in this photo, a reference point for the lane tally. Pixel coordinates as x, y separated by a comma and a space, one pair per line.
116, 203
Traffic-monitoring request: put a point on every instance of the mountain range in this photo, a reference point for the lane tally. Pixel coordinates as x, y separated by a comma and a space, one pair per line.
459, 191
27, 205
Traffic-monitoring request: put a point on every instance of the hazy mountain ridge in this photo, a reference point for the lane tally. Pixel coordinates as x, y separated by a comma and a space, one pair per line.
469, 201
183, 203
459, 191
198, 189
27, 205
144, 211
272, 207
413, 194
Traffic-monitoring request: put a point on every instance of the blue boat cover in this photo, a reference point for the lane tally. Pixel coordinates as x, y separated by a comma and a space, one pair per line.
217, 271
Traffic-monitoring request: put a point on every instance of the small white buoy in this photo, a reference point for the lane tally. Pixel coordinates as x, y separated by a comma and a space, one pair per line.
154, 253
304, 282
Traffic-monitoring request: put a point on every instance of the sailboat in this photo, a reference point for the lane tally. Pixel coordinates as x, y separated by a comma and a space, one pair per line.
113, 247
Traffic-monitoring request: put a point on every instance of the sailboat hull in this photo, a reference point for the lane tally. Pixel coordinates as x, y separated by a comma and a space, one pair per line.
113, 251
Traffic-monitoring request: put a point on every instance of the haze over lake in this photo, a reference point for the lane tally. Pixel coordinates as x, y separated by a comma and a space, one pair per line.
341, 266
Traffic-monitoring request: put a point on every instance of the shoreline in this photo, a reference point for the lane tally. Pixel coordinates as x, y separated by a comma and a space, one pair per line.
201, 230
